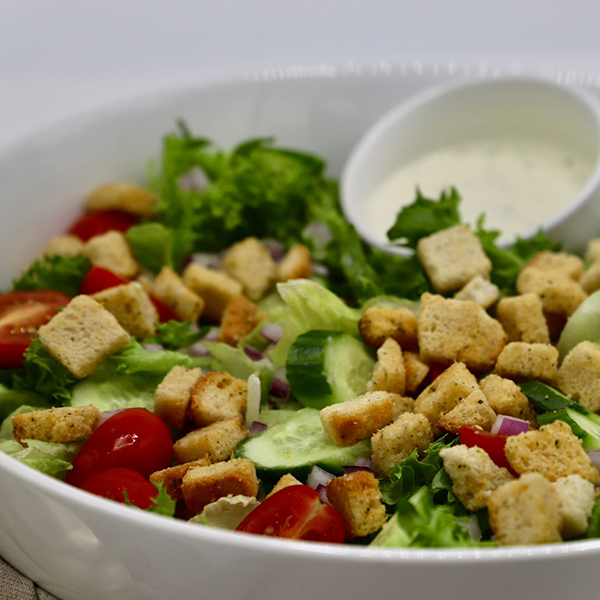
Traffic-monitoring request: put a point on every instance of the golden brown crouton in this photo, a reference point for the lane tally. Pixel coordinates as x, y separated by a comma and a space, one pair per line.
525, 511
65, 424
111, 251
172, 477
576, 497
579, 375
521, 361
416, 371
562, 263
173, 395
128, 197
381, 322
505, 398
218, 396
590, 280
458, 330
250, 263
592, 253
296, 264
64, 245
474, 475
240, 317
81, 335
452, 257
216, 441
402, 404
357, 498
389, 374
479, 290
214, 287
169, 289
286, 480
398, 440
203, 485
473, 411
523, 319
347, 422
553, 451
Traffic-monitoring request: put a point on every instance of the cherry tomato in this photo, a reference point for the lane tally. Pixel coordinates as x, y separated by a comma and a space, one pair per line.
101, 222
492, 443
165, 314
21, 314
296, 512
113, 483
134, 438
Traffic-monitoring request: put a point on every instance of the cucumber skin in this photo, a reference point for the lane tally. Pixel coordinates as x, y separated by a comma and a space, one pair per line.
589, 440
544, 397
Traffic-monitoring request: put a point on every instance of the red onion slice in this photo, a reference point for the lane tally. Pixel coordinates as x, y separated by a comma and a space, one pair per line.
271, 332
253, 353
595, 457
322, 491
318, 233
257, 427
153, 347
213, 335
361, 461
206, 259
199, 350
106, 415
276, 248
318, 476
194, 179
505, 425
280, 389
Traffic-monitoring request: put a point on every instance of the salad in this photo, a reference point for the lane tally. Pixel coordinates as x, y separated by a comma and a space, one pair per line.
220, 346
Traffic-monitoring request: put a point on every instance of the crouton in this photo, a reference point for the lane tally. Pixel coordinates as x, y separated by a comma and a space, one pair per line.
216, 397
64, 245
592, 253
553, 451
523, 319
250, 263
216, 441
525, 511
389, 374
357, 498
397, 441
169, 289
214, 287
286, 480
347, 422
579, 375
239, 319
577, 498
452, 257
479, 290
173, 395
402, 404
132, 308
505, 398
458, 330
416, 371
127, 197
474, 475
590, 280
521, 361
296, 264
172, 477
203, 485
560, 263
111, 251
65, 424
81, 335
381, 322
473, 411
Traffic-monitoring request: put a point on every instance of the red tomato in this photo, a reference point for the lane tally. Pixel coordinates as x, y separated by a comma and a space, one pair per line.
99, 279
492, 443
134, 438
165, 314
21, 314
101, 222
112, 483
296, 512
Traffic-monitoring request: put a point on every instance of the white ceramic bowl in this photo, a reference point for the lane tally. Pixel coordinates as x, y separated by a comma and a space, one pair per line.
82, 547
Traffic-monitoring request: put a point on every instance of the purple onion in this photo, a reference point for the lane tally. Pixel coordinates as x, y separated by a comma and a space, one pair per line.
208, 260
257, 427
213, 335
353, 469
504, 425
194, 179
199, 350
360, 464
271, 332
361, 461
106, 415
320, 270
595, 458
318, 476
280, 389
253, 353
276, 249
153, 347
322, 491
318, 233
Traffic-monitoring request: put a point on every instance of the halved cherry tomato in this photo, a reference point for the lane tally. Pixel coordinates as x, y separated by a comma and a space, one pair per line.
134, 438
112, 483
21, 314
97, 223
492, 443
296, 512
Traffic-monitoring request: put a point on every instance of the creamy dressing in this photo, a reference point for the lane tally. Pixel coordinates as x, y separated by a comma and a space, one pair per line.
517, 182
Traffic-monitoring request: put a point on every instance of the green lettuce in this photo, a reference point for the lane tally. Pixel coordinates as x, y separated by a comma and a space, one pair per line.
51, 458
583, 325
6, 428
152, 244
10, 400
176, 335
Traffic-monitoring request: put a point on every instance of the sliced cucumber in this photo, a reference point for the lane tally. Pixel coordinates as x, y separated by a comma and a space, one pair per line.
585, 425
544, 397
296, 445
325, 367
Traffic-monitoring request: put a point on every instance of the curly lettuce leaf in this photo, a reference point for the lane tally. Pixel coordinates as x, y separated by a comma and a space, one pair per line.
54, 459
163, 504
176, 335
152, 244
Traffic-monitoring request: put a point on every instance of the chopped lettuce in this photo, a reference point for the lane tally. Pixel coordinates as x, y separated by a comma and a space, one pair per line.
176, 335
152, 244
583, 325
226, 512
6, 429
163, 504
10, 400
51, 458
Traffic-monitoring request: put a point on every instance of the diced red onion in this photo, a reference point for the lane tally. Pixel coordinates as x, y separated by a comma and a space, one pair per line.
276, 249
280, 389
320, 270
194, 179
353, 469
213, 335
208, 260
361, 461
322, 491
505, 425
257, 427
271, 332
360, 464
253, 353
318, 233
318, 476
199, 350
153, 347
595, 457
106, 415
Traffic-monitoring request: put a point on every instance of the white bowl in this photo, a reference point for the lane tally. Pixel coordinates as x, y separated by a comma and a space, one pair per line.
79, 546
528, 108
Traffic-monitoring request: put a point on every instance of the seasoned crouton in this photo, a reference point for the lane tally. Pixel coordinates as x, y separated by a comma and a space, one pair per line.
65, 424
579, 375
132, 307
592, 253
169, 289
81, 335
416, 371
214, 287
458, 330
347, 422
218, 396
389, 374
590, 280
505, 398
357, 498
576, 497
173, 395
397, 441
240, 317
452, 257
296, 264
172, 477
64, 245
520, 361
525, 511
553, 450
250, 263
474, 475
217, 441
286, 480
560, 263
473, 411
479, 290
402, 404
203, 485
127, 197
111, 251
381, 322
523, 319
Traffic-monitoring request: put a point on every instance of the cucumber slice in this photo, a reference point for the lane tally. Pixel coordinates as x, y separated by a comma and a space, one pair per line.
544, 397
296, 445
585, 428
325, 367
